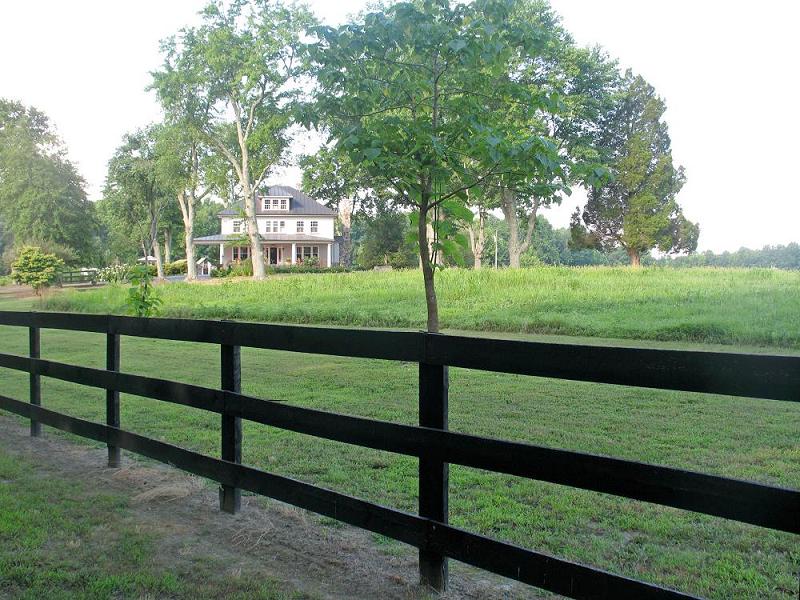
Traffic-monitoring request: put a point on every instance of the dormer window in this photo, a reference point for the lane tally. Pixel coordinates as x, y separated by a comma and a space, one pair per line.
274, 204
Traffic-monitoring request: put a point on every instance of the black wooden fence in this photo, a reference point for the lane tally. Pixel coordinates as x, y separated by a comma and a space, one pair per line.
79, 276
757, 376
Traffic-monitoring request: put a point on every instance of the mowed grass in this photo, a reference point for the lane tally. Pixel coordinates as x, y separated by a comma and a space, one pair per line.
726, 306
747, 438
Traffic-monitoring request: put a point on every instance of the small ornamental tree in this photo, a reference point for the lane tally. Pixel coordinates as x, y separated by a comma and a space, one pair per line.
35, 268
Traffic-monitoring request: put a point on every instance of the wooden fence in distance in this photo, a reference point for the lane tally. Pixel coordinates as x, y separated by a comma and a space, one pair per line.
750, 375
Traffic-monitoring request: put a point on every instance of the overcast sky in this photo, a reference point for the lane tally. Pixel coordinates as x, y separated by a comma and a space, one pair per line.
727, 69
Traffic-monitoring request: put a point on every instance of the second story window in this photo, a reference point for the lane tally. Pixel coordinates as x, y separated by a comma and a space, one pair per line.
314, 226
237, 227
301, 226
283, 226
268, 227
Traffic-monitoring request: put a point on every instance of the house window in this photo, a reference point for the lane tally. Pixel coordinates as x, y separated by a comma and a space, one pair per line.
268, 227
241, 252
237, 227
314, 226
274, 227
301, 226
283, 226
306, 252
275, 204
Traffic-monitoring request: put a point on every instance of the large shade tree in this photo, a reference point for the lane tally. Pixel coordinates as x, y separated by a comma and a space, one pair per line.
135, 201
416, 93
637, 210
42, 197
233, 80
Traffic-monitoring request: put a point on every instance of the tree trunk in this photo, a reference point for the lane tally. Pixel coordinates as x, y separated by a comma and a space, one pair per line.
346, 217
256, 253
635, 257
167, 246
517, 248
186, 203
159, 261
478, 241
427, 270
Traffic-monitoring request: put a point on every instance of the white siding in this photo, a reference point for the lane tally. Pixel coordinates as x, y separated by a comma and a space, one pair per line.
325, 229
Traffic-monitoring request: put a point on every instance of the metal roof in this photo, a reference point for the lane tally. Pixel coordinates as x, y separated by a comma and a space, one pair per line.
299, 203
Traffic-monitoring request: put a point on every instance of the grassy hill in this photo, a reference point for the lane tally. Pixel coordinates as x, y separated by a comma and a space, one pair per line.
727, 306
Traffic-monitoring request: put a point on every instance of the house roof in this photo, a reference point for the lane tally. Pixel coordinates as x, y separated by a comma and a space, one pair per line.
300, 203
221, 238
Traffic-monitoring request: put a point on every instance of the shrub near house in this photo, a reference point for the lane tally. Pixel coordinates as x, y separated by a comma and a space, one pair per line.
35, 268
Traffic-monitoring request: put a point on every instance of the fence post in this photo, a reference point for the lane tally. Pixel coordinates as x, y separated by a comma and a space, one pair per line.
230, 498
433, 472
112, 396
34, 347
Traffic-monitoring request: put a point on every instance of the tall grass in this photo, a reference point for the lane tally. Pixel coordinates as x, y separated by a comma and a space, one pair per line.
728, 306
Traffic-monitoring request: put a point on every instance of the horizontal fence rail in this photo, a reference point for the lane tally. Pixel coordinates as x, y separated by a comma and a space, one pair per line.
750, 375
736, 374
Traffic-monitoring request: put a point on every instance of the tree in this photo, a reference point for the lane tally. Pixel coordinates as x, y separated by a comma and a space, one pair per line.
233, 80
42, 197
347, 187
637, 210
416, 93
35, 268
180, 158
136, 199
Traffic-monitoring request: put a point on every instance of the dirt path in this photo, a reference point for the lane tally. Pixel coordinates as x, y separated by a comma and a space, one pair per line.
268, 539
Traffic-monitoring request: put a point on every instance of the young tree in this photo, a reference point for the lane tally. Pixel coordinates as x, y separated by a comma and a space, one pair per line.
136, 200
637, 210
416, 93
233, 80
35, 268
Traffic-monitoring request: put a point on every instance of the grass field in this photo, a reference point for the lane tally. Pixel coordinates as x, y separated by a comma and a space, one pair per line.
737, 437
728, 306
752, 439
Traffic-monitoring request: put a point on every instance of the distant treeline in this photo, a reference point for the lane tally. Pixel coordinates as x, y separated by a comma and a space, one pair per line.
779, 257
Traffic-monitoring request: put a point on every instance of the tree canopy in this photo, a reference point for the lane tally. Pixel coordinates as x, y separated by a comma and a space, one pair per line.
42, 196
637, 210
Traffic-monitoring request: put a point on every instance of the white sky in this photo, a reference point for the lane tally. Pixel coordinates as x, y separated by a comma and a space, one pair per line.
728, 71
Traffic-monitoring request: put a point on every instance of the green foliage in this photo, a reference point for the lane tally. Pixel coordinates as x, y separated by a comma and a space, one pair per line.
42, 196
637, 210
143, 299
776, 257
386, 241
35, 268
177, 267
5, 280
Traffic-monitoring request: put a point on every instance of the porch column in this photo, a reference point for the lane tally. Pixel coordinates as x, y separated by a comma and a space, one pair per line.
221, 254
330, 258
294, 251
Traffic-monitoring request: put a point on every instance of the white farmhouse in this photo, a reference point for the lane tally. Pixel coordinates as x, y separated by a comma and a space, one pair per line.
293, 228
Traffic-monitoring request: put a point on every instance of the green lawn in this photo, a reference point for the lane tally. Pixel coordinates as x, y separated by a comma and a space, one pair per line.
736, 437
728, 306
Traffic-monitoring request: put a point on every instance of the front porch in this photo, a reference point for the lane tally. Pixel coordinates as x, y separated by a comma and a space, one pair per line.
281, 254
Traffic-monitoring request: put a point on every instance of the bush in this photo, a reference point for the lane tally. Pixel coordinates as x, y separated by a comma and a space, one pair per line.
177, 267
35, 268
241, 269
5, 280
